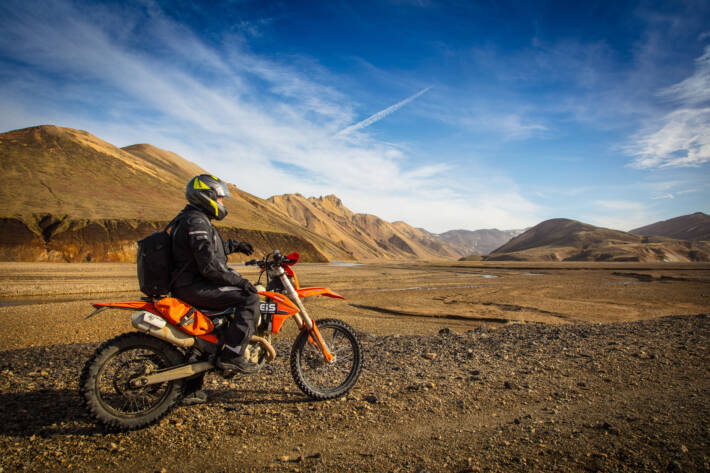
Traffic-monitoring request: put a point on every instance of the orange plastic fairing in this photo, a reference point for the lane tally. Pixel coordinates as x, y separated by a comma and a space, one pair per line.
317, 291
285, 308
209, 338
136, 305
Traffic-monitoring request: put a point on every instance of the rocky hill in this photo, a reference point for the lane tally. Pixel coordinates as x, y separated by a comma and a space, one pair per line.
364, 236
478, 242
687, 227
61, 180
569, 240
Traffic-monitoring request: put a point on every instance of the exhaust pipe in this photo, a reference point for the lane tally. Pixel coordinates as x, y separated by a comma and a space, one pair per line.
159, 328
270, 352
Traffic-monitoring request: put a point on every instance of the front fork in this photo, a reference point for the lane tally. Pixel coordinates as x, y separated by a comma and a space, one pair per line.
302, 318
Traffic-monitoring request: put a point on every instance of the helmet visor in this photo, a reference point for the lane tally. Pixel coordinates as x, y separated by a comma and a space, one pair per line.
221, 190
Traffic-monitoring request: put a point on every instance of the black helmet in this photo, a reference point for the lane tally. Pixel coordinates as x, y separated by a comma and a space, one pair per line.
202, 191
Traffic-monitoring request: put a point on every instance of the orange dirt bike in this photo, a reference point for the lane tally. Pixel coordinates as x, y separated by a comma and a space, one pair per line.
136, 378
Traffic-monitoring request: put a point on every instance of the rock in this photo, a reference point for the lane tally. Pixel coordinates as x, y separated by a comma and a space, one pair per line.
509, 385
372, 399
445, 331
430, 355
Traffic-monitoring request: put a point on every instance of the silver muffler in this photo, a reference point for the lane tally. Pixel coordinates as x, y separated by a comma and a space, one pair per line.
160, 328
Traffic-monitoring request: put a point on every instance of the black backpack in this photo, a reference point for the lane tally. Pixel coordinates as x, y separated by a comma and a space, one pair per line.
155, 262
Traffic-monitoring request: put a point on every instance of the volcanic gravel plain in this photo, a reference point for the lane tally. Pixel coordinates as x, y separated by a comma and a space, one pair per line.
469, 367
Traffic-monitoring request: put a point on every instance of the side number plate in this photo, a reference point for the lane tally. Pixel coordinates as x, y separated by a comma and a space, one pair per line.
268, 307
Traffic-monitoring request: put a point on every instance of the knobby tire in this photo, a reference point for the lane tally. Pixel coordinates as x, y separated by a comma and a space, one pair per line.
97, 404
298, 355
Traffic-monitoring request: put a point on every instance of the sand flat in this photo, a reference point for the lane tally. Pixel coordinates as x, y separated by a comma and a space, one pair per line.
46, 303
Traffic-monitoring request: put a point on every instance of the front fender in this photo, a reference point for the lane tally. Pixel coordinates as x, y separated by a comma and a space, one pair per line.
317, 291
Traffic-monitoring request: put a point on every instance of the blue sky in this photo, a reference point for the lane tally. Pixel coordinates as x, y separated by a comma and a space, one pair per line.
447, 115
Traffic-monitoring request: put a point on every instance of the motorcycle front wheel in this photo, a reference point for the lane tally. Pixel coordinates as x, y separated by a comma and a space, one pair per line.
105, 381
313, 374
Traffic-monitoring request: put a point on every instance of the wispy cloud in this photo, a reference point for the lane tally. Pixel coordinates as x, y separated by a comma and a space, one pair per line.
512, 126
247, 118
381, 114
682, 136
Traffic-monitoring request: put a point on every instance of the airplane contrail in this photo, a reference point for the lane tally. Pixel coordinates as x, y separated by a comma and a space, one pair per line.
381, 114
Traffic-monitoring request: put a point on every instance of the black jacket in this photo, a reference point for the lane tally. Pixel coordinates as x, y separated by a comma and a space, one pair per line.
197, 244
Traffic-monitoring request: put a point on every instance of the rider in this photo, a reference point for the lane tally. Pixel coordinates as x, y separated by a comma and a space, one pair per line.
204, 279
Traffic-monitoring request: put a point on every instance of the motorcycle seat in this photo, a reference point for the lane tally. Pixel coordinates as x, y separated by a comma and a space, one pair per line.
211, 313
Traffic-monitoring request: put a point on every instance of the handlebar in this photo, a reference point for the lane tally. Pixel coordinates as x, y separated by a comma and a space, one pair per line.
264, 263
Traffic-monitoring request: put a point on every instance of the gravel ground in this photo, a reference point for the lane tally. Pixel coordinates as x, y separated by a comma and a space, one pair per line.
628, 397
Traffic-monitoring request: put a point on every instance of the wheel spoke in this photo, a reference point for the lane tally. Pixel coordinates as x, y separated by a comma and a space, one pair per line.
114, 387
327, 378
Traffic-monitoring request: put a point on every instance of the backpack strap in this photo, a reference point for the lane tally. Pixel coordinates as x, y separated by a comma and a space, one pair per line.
172, 223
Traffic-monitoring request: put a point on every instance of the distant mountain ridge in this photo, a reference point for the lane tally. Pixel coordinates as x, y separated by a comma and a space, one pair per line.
478, 242
364, 236
569, 240
695, 226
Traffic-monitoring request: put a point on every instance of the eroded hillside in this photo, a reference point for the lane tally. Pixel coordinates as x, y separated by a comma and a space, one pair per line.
88, 186
365, 236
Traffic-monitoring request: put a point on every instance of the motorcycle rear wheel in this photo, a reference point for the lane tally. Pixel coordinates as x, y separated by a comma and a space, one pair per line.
313, 374
105, 381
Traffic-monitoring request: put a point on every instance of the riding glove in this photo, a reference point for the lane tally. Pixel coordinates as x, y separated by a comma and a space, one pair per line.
240, 247
245, 285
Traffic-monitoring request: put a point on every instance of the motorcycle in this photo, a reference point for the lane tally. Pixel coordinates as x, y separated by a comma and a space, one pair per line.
136, 378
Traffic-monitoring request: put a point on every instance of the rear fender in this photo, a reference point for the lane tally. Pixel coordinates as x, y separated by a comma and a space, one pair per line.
128, 305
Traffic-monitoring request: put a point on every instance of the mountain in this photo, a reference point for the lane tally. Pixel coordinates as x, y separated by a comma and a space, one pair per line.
569, 240
363, 236
687, 227
70, 196
478, 242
